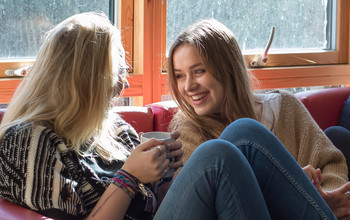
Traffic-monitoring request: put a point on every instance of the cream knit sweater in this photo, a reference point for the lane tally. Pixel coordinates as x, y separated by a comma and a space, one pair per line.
298, 132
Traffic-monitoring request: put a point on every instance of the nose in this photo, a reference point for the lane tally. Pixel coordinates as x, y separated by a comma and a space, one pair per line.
126, 84
191, 84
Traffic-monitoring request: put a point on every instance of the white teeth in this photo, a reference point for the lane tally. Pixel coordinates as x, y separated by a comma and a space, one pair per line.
197, 97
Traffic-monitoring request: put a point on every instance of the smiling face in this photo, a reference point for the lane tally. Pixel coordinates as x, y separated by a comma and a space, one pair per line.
195, 84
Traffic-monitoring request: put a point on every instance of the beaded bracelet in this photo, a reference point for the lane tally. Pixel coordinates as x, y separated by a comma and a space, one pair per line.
132, 185
126, 181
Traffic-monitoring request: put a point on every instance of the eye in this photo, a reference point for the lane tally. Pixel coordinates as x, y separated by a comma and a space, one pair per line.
199, 71
179, 75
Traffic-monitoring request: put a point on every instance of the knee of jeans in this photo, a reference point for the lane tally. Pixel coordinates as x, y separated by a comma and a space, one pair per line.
336, 131
242, 127
217, 148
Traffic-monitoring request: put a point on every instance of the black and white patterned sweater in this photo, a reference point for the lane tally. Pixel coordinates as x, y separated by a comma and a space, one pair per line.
37, 171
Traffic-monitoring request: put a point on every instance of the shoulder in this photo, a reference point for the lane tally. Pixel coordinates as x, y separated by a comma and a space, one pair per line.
288, 96
270, 100
125, 133
180, 121
267, 97
286, 99
30, 142
29, 132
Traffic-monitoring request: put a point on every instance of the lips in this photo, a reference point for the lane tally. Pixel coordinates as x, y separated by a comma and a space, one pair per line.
199, 96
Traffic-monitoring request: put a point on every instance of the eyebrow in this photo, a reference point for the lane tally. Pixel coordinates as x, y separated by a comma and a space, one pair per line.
191, 67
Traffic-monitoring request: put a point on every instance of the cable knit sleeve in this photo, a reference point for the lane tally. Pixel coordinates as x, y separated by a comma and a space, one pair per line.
308, 144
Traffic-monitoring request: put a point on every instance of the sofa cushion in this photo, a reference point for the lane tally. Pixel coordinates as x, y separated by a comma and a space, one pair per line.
344, 119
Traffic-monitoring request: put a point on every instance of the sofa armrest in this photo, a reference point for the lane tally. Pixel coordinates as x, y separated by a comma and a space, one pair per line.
10, 211
163, 114
325, 105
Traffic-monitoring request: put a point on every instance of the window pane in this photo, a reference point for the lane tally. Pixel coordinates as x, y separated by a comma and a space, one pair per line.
300, 24
24, 22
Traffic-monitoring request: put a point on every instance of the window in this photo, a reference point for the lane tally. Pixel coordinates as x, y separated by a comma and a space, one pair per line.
26, 22
301, 26
311, 36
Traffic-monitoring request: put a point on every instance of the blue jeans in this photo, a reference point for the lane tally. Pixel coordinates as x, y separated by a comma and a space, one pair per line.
340, 137
245, 174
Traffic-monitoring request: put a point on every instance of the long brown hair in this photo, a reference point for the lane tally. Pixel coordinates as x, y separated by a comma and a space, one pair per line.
222, 57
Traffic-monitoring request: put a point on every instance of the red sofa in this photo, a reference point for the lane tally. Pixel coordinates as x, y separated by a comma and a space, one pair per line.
324, 105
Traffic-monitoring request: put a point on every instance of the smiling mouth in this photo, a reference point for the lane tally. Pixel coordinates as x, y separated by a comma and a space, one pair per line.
199, 96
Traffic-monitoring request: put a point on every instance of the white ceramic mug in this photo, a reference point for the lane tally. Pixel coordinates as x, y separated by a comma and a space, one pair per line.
163, 136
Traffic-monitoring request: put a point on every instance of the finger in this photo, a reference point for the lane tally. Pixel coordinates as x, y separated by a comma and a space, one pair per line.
175, 153
311, 173
319, 174
344, 188
140, 133
315, 179
149, 144
164, 168
174, 145
160, 148
175, 134
176, 164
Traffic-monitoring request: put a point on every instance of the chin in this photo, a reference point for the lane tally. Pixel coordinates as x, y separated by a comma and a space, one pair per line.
201, 113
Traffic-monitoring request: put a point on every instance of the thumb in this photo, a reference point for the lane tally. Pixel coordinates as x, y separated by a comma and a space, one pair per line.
346, 187
140, 134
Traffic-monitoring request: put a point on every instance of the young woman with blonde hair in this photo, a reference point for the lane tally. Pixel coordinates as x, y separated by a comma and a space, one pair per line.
210, 82
66, 155
63, 150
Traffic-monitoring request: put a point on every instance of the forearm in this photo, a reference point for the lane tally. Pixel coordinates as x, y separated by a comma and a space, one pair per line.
113, 204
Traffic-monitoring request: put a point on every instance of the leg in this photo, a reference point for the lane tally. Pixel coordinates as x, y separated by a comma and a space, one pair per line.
217, 182
288, 192
340, 137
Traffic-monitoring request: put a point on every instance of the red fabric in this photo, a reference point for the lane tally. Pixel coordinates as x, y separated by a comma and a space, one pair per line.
10, 211
325, 105
141, 118
163, 113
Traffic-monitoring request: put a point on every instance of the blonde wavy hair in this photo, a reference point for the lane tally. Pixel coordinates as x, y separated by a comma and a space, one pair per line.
71, 84
222, 57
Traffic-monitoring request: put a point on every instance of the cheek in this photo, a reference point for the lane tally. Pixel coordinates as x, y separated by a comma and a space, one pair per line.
180, 88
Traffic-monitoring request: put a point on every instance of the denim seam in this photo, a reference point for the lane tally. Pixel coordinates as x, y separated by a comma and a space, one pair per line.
198, 174
176, 214
285, 173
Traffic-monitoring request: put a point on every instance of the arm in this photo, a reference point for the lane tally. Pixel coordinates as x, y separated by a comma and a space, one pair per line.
39, 179
303, 138
107, 208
